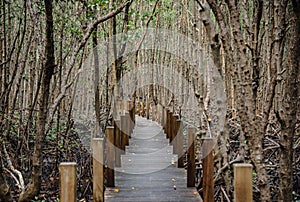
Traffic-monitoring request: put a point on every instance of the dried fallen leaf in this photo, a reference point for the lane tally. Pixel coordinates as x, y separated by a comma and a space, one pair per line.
116, 190
174, 187
195, 193
51, 179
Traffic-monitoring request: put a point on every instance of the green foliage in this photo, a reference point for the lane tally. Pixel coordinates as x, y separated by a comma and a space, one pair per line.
98, 3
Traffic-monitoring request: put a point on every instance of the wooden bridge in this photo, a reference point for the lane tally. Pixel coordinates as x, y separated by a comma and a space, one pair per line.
149, 170
142, 159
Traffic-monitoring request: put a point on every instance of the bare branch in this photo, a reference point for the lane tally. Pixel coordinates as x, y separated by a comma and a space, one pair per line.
20, 181
65, 84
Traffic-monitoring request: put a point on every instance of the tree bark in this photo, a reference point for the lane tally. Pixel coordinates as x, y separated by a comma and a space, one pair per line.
288, 114
35, 183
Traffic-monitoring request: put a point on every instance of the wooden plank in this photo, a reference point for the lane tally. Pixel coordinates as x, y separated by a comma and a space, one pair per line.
243, 182
191, 157
110, 156
67, 175
98, 170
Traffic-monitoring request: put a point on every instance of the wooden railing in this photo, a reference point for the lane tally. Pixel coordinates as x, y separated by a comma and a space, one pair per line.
117, 137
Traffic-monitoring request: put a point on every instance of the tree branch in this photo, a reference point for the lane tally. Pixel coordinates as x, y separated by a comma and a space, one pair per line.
89, 31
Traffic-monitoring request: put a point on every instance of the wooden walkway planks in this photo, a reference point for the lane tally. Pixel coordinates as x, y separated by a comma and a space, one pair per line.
149, 169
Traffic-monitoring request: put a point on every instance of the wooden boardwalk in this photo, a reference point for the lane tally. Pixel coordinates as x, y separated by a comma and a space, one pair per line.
149, 169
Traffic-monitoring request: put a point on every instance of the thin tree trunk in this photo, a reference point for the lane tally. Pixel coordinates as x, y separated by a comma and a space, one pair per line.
48, 70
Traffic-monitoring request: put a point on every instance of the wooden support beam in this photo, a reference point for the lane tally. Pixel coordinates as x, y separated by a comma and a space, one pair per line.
110, 156
98, 169
191, 157
179, 141
67, 176
117, 125
208, 170
243, 187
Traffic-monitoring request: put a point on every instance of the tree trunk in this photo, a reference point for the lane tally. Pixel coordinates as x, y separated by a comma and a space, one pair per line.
287, 115
35, 183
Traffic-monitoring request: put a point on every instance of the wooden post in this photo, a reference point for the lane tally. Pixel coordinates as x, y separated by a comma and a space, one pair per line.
208, 170
122, 106
153, 111
131, 122
173, 134
67, 175
158, 112
170, 126
174, 131
191, 157
98, 170
148, 110
243, 182
117, 125
128, 107
122, 132
133, 113
165, 126
138, 109
163, 118
110, 156
143, 109
127, 128
179, 141
132, 117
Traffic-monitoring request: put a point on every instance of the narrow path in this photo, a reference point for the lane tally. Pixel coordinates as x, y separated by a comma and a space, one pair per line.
149, 169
